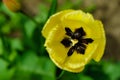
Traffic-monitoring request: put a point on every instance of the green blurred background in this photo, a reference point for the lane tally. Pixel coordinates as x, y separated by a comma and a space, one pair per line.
23, 57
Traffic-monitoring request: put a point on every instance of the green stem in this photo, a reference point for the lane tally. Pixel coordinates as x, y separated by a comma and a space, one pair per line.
61, 74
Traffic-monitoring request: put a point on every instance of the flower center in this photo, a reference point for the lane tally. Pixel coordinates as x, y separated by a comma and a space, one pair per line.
75, 41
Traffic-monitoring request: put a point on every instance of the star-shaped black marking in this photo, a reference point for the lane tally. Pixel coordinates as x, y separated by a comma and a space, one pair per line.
78, 34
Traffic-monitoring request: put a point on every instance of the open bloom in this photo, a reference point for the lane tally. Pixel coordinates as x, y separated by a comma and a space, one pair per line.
73, 38
13, 5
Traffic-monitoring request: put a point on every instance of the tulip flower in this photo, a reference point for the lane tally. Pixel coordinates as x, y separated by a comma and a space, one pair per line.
74, 38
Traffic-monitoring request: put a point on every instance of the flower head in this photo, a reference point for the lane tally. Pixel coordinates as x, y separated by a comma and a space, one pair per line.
13, 5
73, 38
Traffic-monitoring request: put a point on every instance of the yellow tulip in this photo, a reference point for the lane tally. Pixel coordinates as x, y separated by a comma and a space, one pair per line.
73, 38
13, 5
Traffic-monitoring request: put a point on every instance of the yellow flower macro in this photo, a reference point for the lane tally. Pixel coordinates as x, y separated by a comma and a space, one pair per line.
13, 5
73, 38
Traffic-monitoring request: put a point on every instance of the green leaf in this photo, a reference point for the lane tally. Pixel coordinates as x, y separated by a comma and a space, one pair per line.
69, 76
13, 55
21, 75
95, 70
5, 74
16, 44
112, 69
41, 66
6, 28
29, 28
3, 65
53, 8
84, 77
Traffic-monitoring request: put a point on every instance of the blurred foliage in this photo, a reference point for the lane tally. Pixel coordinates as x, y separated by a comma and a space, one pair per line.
23, 56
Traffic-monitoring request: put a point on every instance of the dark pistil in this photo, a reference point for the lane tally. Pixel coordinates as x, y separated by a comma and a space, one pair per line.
66, 42
80, 46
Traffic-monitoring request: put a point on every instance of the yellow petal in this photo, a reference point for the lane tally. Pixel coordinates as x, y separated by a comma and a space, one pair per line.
102, 41
53, 21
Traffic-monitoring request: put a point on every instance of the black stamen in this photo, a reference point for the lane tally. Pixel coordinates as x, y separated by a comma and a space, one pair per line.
80, 48
68, 31
87, 40
66, 42
78, 33
80, 44
76, 36
71, 50
81, 31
